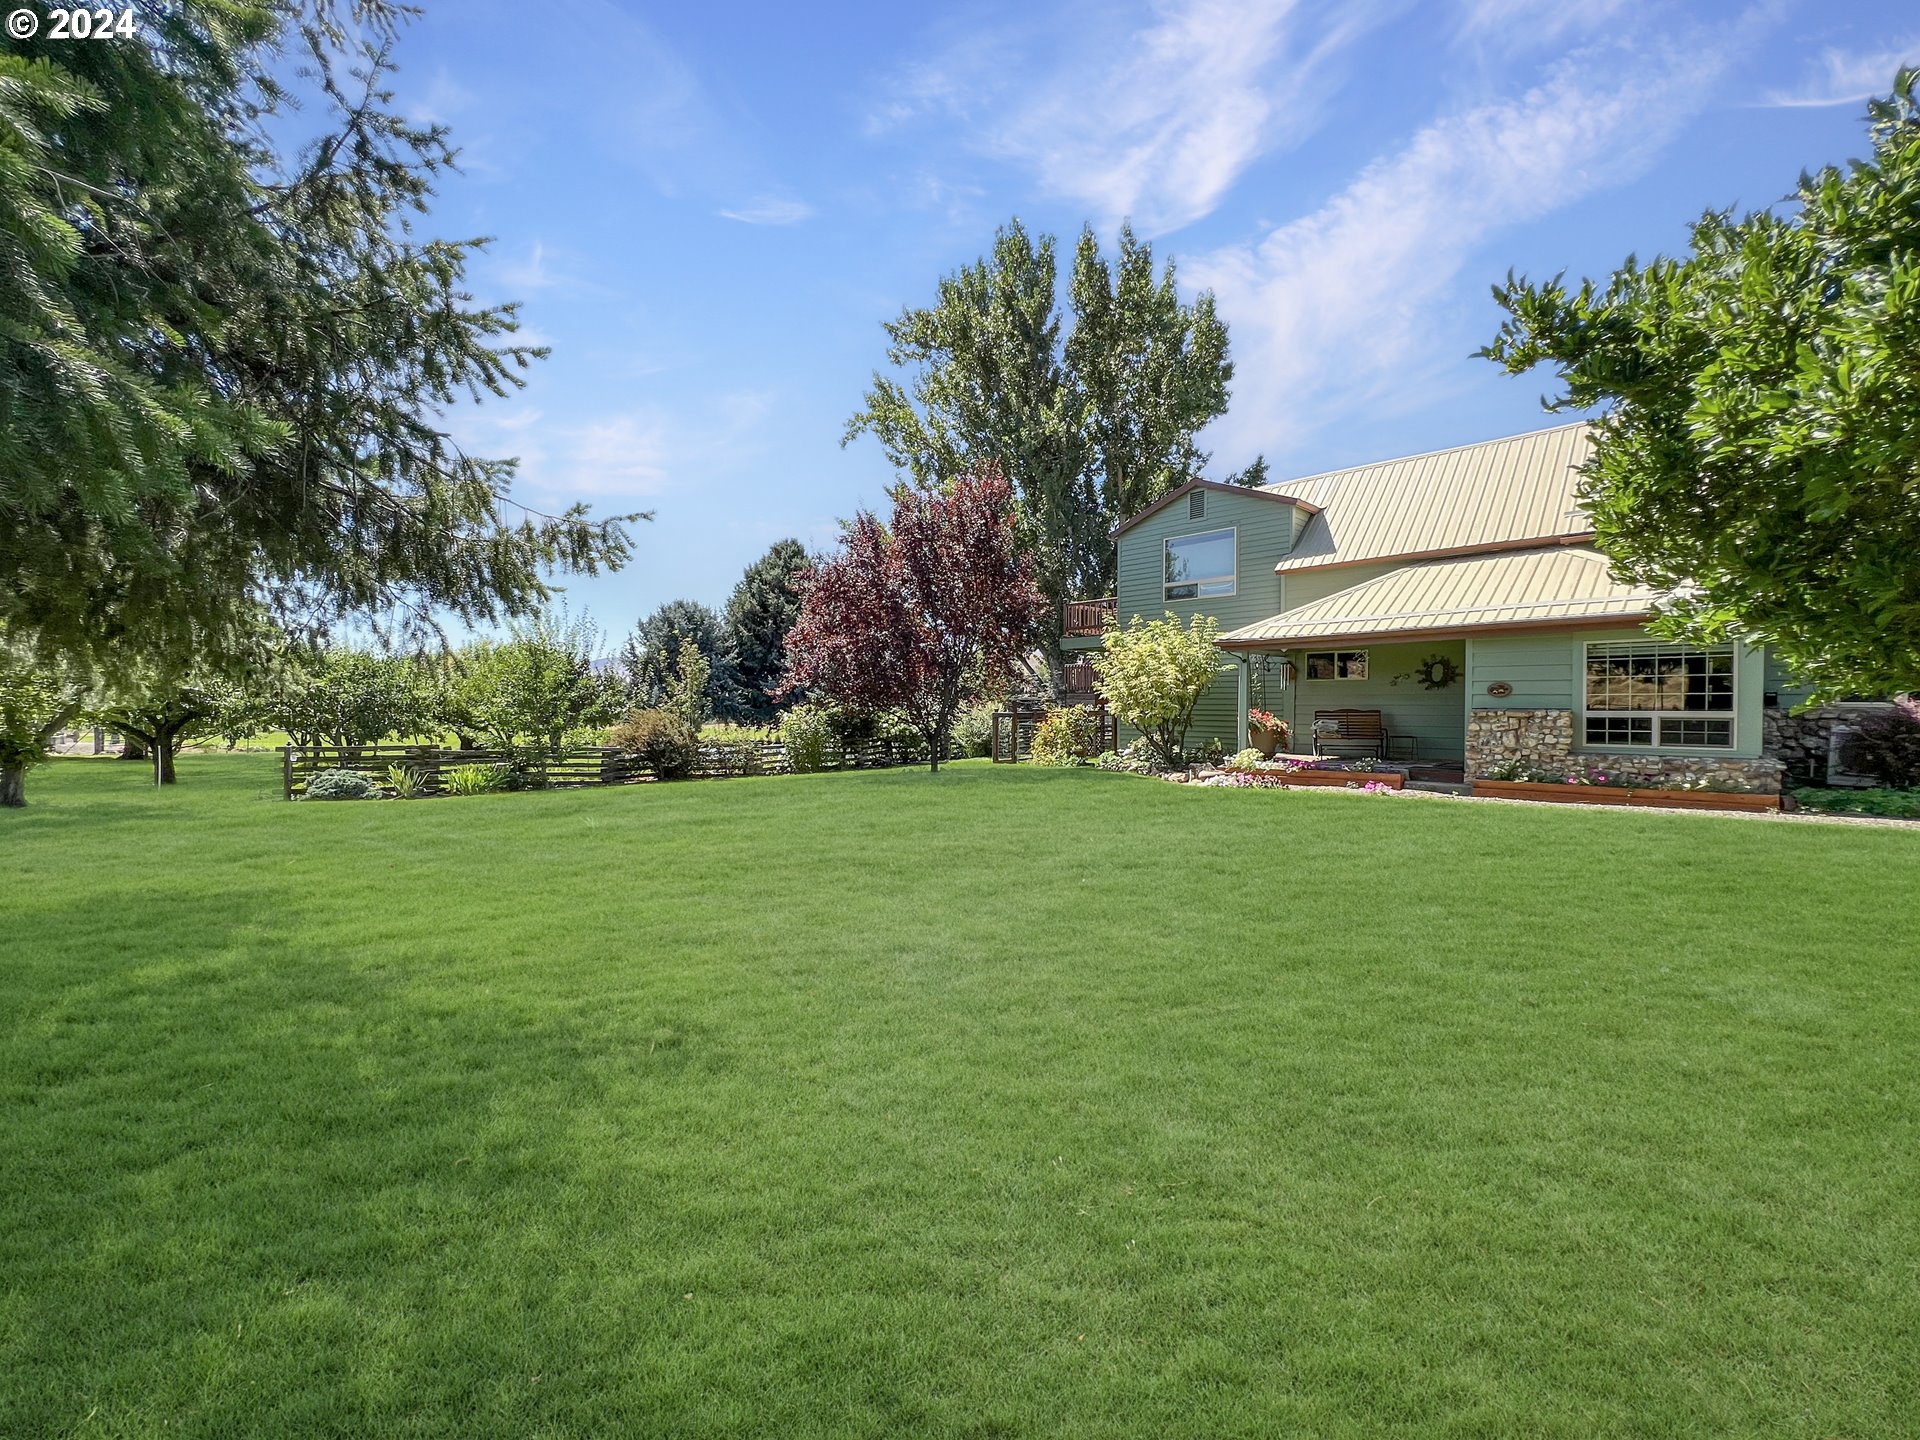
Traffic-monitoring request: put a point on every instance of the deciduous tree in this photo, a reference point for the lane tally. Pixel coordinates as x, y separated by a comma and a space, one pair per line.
1089, 424
37, 701
1759, 458
922, 615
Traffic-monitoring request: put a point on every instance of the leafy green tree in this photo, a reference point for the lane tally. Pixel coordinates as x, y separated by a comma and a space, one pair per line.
687, 687
1759, 457
759, 614
350, 697
1090, 424
165, 707
650, 655
1153, 673
37, 701
543, 684
224, 363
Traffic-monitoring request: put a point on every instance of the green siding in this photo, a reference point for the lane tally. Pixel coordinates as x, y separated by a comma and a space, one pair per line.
1303, 587
1781, 682
1541, 668
1436, 718
1264, 533
1546, 673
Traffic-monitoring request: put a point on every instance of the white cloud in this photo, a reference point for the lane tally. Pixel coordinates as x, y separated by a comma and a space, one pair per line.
1155, 123
528, 274
771, 212
1519, 24
636, 455
1843, 78
1358, 301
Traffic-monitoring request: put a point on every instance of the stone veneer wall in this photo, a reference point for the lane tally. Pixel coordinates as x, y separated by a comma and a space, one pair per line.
1543, 740
1799, 741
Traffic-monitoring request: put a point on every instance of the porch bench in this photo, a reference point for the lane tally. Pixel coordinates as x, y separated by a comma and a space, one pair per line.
1351, 733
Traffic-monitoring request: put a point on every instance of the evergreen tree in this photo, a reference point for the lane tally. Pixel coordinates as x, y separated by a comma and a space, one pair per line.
649, 658
760, 612
223, 366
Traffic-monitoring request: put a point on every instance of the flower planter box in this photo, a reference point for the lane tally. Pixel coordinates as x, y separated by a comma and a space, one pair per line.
1619, 795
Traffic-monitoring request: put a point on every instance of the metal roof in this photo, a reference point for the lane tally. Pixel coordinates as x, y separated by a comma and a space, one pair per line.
1511, 590
1498, 494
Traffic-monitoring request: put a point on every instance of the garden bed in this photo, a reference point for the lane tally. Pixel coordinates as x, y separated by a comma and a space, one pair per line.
1622, 795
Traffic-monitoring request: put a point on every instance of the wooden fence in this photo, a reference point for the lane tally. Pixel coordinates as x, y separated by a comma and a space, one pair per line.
584, 765
1013, 732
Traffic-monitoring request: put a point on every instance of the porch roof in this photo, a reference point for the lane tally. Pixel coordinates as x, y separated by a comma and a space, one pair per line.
1513, 590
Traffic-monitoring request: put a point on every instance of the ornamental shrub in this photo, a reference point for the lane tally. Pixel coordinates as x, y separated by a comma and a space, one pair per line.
341, 785
1067, 735
806, 730
660, 740
973, 731
406, 782
1153, 673
1887, 746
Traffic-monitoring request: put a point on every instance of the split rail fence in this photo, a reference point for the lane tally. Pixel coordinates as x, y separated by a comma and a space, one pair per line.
570, 769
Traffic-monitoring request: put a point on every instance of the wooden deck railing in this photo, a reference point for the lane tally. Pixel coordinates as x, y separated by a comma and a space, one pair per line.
1090, 617
1081, 679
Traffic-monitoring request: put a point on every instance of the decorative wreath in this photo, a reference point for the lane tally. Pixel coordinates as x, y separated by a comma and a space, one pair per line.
1436, 672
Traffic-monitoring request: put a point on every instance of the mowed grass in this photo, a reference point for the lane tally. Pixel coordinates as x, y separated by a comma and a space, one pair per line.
1004, 1102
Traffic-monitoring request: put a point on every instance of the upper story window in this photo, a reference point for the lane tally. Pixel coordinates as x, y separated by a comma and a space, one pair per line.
1646, 693
1200, 567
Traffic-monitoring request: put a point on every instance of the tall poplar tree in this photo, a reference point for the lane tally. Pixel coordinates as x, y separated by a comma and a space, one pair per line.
1090, 423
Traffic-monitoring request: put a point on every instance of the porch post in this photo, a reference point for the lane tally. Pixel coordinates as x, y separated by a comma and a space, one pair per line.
1240, 725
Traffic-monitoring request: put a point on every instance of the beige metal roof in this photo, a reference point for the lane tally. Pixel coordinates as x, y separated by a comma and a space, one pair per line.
1499, 494
1514, 589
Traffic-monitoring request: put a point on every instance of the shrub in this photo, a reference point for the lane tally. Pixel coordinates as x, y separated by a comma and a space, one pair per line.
1068, 735
1153, 673
406, 782
973, 731
661, 741
1898, 804
1245, 760
1887, 746
806, 731
475, 779
341, 785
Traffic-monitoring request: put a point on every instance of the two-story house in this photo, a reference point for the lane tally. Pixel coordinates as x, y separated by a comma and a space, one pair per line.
1458, 594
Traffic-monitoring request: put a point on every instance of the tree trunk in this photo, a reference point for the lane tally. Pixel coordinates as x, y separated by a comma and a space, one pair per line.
13, 786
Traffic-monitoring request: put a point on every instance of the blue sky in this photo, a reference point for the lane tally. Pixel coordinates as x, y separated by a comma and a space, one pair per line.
708, 211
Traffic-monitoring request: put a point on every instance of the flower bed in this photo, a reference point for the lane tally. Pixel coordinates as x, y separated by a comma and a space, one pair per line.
1578, 793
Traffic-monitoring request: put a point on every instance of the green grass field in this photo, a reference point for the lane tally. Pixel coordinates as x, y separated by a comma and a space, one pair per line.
1004, 1102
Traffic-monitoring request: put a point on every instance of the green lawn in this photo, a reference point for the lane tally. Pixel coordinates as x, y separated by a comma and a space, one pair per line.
1003, 1102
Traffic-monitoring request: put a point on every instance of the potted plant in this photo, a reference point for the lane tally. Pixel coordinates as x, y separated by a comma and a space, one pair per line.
1266, 732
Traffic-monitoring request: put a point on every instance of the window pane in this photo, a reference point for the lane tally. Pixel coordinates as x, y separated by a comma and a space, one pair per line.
1194, 558
1353, 664
1619, 730
1320, 665
1696, 732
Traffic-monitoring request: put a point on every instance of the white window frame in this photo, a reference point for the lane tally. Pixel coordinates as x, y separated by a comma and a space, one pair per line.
1654, 718
1232, 581
1306, 666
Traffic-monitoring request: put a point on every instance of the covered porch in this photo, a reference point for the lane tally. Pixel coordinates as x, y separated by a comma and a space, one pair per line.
1401, 703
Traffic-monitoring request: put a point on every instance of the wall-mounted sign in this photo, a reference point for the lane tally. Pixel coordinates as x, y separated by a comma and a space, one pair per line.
1499, 689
